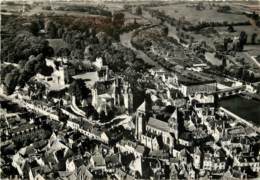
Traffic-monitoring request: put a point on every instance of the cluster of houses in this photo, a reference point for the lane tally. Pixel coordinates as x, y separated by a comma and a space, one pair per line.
196, 138
177, 132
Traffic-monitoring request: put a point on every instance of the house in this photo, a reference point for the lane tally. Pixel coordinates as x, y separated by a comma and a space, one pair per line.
176, 150
192, 88
98, 162
197, 158
113, 162
84, 173
131, 147
117, 133
85, 127
247, 161
120, 174
151, 141
184, 156
145, 168
160, 154
207, 163
59, 76
219, 160
162, 128
185, 139
99, 134
156, 71
28, 132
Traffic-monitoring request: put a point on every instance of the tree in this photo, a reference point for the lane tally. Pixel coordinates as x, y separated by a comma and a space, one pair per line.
79, 90
77, 54
242, 40
139, 11
240, 73
165, 30
252, 77
51, 29
60, 32
102, 37
231, 28
246, 75
253, 38
5, 70
63, 52
11, 80
34, 28
118, 19
226, 41
224, 61
30, 64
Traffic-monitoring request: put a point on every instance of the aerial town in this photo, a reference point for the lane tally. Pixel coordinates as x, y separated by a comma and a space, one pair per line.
130, 90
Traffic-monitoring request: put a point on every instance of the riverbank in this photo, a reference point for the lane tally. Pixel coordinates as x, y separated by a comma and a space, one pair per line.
246, 108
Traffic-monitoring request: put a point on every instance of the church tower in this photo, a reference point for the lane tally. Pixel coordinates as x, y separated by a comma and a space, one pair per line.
139, 120
128, 98
173, 123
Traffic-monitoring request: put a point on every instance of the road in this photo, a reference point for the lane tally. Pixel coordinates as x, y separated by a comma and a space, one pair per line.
253, 59
125, 40
122, 119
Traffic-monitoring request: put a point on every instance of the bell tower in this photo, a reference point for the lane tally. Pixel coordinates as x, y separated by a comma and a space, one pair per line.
173, 123
128, 98
139, 120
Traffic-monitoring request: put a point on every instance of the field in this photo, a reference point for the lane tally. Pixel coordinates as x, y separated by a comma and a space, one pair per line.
195, 16
248, 29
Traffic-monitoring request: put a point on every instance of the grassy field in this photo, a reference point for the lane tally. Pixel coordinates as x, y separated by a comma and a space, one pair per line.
248, 29
195, 16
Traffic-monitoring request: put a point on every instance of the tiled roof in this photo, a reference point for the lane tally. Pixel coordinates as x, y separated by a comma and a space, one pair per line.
142, 107
158, 124
140, 149
99, 160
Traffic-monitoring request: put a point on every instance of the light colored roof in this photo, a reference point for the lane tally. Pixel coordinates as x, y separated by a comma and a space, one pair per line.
158, 124
84, 173
99, 160
56, 87
106, 96
92, 77
142, 107
87, 75
140, 149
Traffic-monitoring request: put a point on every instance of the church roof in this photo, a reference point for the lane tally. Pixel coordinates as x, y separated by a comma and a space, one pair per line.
158, 124
142, 107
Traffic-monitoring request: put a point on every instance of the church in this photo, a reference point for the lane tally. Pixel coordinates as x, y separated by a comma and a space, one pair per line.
155, 133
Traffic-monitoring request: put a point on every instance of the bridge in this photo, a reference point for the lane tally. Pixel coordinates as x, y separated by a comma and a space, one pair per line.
230, 91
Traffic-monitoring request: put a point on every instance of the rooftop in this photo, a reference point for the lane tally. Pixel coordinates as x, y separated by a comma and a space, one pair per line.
155, 123
90, 77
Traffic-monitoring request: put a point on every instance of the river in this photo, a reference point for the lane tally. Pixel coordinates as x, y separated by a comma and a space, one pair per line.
247, 109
